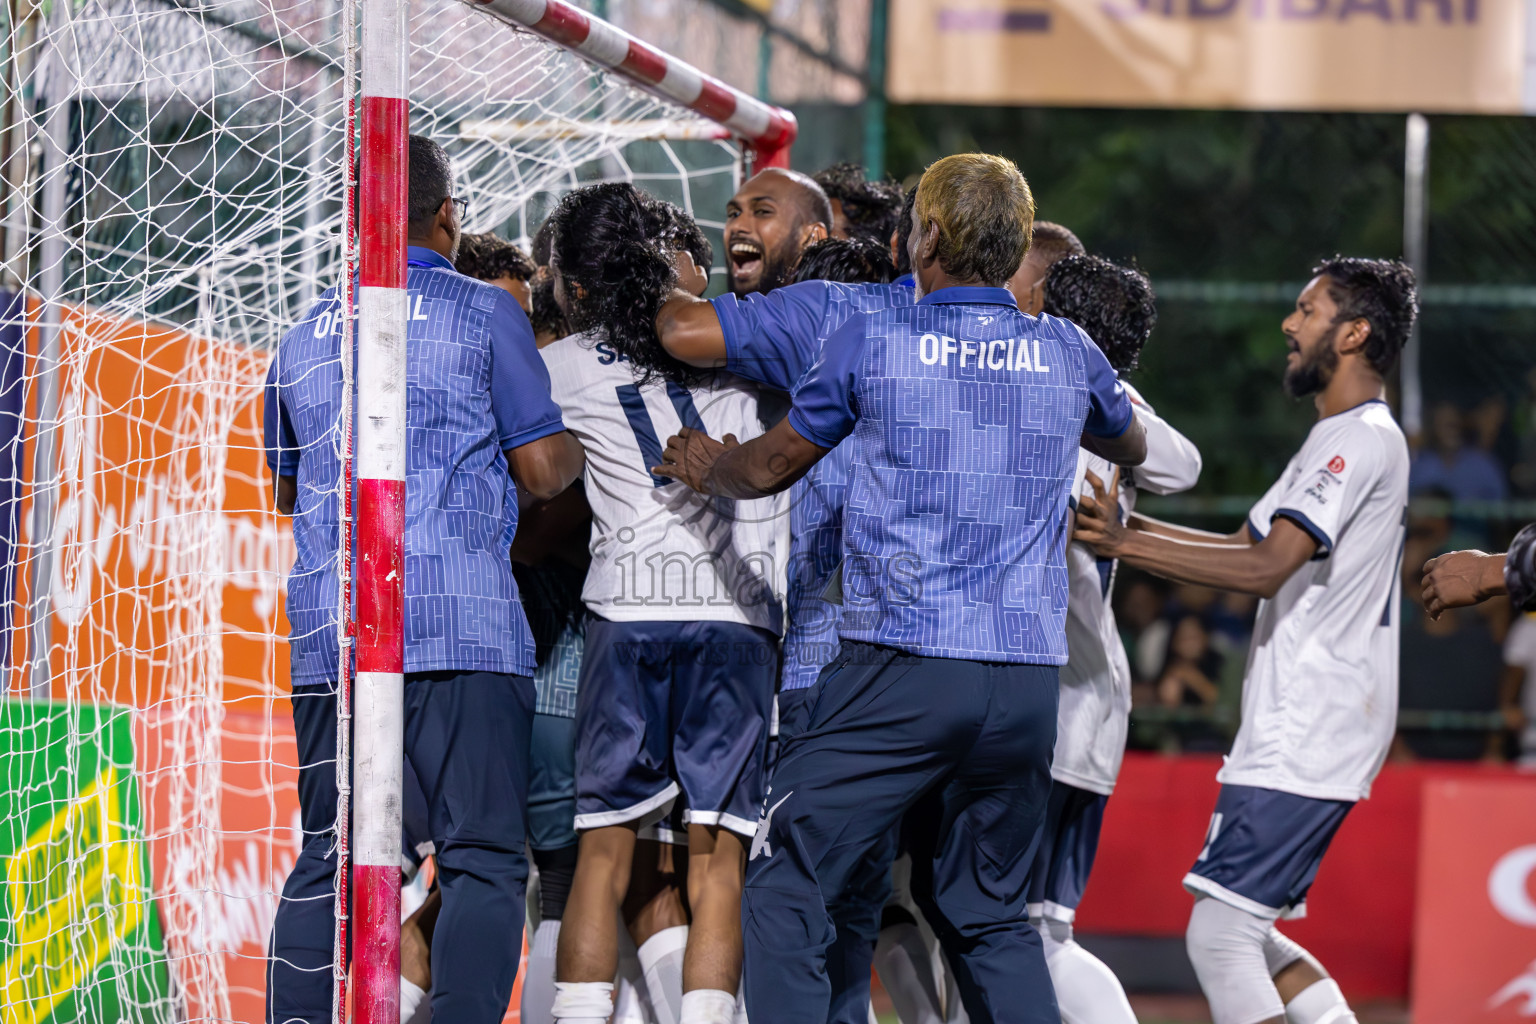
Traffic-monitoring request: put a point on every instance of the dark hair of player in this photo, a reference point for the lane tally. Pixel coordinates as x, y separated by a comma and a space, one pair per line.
1050, 242
543, 242
430, 180
904, 231
984, 213
488, 256
1384, 293
849, 260
1113, 304
1520, 570
669, 226
600, 244
871, 207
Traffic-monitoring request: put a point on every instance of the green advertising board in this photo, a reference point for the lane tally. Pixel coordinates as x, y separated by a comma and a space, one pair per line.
80, 939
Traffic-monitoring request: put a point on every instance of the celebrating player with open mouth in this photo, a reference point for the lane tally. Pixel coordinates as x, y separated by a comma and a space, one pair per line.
1322, 548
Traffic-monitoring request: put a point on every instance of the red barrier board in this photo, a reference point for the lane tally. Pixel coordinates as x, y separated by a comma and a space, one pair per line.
1360, 912
1475, 941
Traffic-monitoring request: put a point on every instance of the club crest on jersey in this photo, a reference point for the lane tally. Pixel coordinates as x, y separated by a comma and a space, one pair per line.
1013, 354
1336, 464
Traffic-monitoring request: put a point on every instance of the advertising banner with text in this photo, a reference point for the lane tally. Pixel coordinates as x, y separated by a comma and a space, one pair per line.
1467, 56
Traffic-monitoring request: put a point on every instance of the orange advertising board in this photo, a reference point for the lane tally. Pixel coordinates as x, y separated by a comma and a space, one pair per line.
1474, 950
168, 557
1466, 56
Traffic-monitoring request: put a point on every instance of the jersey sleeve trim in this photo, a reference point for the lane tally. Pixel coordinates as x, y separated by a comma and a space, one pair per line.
805, 430
1254, 532
1130, 414
1324, 542
725, 312
532, 434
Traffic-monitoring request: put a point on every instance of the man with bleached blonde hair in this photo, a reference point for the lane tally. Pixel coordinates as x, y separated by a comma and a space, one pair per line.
965, 415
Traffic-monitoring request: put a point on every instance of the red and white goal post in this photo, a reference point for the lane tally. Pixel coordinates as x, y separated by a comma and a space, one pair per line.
767, 133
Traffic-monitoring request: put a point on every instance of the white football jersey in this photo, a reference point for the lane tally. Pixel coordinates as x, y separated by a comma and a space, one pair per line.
1320, 692
661, 551
1092, 718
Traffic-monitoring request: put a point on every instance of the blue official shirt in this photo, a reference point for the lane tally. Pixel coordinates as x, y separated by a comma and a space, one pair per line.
475, 387
774, 339
966, 416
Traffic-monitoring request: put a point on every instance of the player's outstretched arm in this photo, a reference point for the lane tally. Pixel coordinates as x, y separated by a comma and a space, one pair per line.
764, 465
1464, 578
689, 329
1259, 569
1145, 523
547, 466
1461, 579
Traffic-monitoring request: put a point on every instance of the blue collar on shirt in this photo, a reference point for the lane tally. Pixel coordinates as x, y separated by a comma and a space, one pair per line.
905, 280
964, 293
421, 256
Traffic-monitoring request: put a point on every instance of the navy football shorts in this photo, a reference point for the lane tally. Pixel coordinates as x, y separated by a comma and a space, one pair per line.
1065, 855
1263, 849
669, 709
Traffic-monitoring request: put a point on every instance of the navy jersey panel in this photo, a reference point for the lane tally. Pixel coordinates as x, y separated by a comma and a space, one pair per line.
966, 416
865, 747
1264, 847
673, 708
1068, 845
774, 339
474, 385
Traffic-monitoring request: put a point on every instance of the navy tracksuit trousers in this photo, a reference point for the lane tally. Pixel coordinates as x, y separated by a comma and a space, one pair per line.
467, 738
966, 746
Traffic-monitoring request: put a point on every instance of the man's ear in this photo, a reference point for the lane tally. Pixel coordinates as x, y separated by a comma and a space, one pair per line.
444, 218
1352, 341
928, 242
812, 233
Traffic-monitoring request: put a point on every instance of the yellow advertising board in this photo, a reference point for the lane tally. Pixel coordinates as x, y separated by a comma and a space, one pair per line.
1472, 56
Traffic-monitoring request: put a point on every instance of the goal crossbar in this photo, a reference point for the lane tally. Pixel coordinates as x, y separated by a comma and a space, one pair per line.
768, 131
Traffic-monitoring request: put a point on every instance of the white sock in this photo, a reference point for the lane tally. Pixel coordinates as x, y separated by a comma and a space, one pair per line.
1319, 1003
629, 1003
661, 961
1087, 992
906, 971
583, 1002
708, 1006
539, 978
414, 1003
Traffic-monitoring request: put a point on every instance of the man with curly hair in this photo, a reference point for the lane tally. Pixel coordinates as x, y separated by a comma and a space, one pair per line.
861, 208
677, 678
1322, 549
490, 258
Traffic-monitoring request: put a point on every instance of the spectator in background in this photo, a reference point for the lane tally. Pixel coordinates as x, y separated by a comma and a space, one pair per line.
1517, 694
1522, 472
1191, 679
1450, 663
861, 208
1452, 462
1142, 627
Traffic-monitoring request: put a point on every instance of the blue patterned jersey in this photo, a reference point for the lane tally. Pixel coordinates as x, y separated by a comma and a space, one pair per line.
966, 416
475, 387
774, 339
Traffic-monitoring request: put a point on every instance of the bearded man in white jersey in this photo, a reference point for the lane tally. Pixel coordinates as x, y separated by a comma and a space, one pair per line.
1323, 548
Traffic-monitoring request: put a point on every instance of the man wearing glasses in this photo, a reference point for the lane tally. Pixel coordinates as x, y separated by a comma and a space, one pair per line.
480, 424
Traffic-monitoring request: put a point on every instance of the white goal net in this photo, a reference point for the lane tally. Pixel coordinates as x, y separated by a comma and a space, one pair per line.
171, 181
